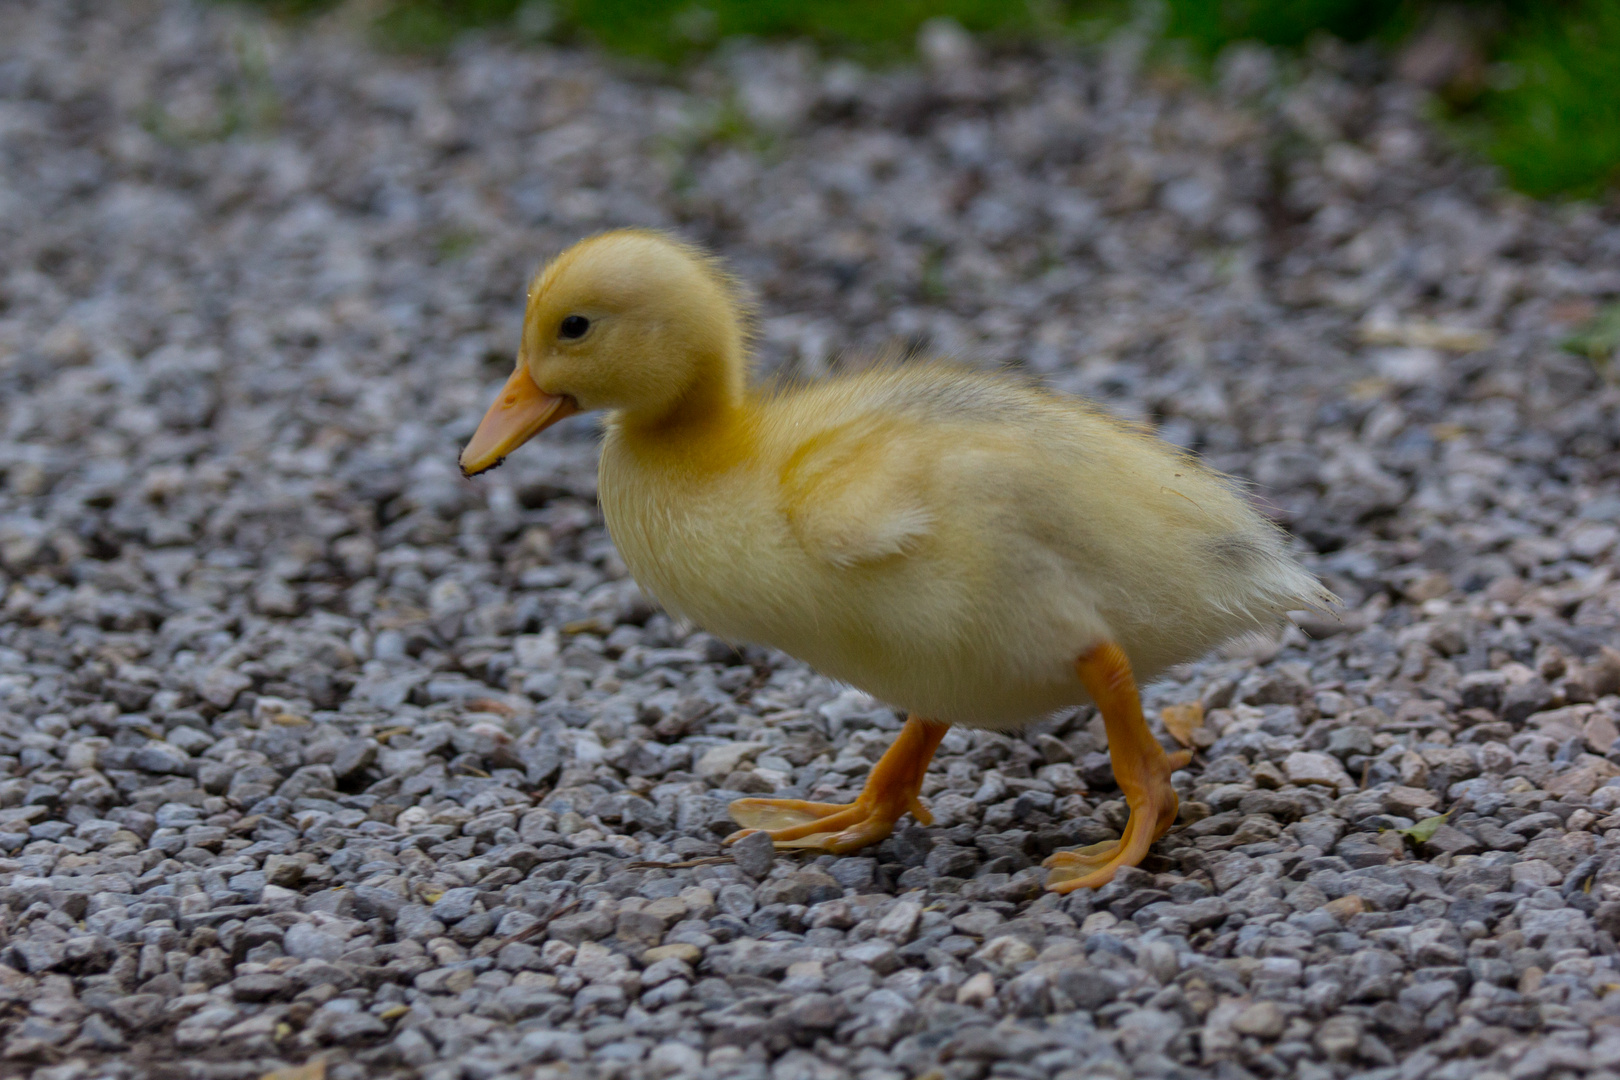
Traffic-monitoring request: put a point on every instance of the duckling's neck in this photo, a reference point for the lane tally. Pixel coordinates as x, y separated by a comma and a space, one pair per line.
707, 429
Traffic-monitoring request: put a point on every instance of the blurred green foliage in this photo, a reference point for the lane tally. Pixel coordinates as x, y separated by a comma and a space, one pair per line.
1546, 110
1554, 126
670, 30
1212, 24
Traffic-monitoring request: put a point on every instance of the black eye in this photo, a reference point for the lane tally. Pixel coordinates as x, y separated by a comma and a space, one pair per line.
573, 327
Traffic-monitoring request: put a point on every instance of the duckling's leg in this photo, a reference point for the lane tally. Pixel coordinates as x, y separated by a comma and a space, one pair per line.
891, 791
1141, 767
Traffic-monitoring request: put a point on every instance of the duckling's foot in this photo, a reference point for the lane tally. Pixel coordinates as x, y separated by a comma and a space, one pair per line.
891, 792
1141, 767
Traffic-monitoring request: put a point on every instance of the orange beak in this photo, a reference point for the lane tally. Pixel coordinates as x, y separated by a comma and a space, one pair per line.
520, 412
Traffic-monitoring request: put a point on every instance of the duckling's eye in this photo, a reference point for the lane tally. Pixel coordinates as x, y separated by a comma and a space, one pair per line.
573, 327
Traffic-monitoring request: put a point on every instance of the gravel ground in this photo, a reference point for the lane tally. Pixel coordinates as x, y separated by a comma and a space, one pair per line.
312, 749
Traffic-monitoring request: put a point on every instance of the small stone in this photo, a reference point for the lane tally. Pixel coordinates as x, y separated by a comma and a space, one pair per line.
1447, 840
454, 905
1536, 872
949, 860
37, 955
900, 922
675, 1059
101, 1035
305, 942
220, 686
723, 759
668, 910
1345, 907
353, 758
1267, 776
664, 970
1263, 1020
880, 956
1603, 672
1410, 802
754, 854
249, 885
584, 926
283, 871
161, 757
546, 1045
189, 740
1089, 986
350, 1027
260, 987
1350, 740
688, 954
137, 1012
739, 900
639, 928
1589, 774
977, 990
1273, 688
275, 597
261, 1025
945, 45
1338, 1036
1523, 700
810, 886
445, 981
813, 1012
311, 781
1005, 952
1436, 943
337, 901
1478, 690
1360, 850
1305, 767
854, 873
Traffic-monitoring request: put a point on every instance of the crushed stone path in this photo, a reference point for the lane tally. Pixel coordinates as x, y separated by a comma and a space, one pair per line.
308, 747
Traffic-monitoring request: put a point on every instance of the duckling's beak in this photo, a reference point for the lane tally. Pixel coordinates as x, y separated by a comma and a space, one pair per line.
521, 411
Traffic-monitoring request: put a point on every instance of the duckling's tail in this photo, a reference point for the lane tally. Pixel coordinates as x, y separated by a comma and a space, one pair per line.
1279, 585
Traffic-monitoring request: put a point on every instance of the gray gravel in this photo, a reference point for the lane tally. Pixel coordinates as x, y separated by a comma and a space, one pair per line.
309, 747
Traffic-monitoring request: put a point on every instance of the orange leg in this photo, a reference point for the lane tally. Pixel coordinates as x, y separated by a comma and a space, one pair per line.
891, 791
1141, 767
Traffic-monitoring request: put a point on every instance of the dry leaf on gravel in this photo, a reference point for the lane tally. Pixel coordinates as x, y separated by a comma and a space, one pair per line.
1182, 720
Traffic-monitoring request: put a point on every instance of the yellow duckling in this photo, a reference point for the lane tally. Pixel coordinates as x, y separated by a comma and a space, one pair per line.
959, 544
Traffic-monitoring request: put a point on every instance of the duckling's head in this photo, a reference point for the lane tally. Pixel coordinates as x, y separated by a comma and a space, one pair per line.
631, 321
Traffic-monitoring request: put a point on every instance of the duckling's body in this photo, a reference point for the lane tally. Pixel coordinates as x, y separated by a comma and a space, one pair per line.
946, 540
959, 544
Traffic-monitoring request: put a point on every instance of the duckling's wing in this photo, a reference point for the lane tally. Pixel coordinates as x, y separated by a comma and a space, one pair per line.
858, 493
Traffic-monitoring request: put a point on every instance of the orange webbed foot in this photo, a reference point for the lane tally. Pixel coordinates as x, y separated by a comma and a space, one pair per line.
1141, 767
890, 793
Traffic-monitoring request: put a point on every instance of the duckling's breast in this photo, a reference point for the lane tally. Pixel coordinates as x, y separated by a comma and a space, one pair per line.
708, 548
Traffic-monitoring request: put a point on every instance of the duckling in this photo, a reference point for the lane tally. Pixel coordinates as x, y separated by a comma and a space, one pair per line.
969, 548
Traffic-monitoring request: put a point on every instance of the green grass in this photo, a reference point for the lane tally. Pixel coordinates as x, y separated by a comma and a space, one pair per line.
670, 30
1550, 118
1210, 25
1556, 129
